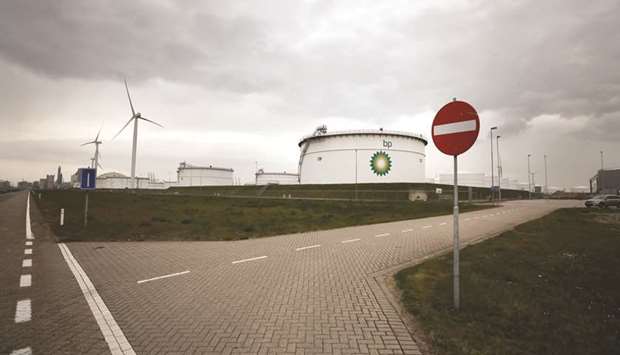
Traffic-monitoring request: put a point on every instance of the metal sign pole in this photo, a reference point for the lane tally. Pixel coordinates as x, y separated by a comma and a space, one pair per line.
455, 262
86, 209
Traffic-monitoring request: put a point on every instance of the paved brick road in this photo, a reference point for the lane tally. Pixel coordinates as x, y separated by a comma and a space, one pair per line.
61, 322
311, 293
304, 293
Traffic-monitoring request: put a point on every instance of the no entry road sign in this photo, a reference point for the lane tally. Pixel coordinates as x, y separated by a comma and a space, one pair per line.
455, 128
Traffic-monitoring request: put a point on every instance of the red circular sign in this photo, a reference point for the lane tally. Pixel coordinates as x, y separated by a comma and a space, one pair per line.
455, 128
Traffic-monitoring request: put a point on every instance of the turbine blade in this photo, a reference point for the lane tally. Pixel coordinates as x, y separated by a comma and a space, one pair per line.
133, 112
99, 165
86, 143
97, 138
125, 126
153, 122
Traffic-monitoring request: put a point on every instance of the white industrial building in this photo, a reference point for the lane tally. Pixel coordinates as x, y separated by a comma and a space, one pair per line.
284, 178
364, 156
191, 175
114, 180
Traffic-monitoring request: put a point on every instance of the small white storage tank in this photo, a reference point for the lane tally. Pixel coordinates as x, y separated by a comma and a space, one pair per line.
114, 180
191, 175
364, 156
284, 178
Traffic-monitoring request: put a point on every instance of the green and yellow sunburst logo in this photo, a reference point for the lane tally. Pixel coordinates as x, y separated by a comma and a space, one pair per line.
380, 163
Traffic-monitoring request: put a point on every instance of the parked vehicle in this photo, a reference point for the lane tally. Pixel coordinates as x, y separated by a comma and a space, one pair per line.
603, 201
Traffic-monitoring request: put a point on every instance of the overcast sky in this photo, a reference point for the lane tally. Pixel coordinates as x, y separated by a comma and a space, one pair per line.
234, 83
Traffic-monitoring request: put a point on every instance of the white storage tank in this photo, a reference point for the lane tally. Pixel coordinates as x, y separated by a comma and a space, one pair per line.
284, 178
363, 156
192, 175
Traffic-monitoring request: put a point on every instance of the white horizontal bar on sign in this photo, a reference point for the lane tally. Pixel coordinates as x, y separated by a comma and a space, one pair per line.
455, 127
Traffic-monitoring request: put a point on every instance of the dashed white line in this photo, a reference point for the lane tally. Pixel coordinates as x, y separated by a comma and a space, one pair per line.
112, 333
382, 235
23, 311
164, 276
22, 351
28, 243
350, 240
443, 223
25, 280
308, 247
28, 251
250, 259
407, 230
28, 227
27, 263
427, 227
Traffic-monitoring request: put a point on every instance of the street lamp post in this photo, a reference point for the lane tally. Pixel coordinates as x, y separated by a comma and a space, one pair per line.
546, 181
492, 182
529, 176
499, 171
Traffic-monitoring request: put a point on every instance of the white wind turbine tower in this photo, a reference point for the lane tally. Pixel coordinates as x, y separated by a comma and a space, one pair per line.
96, 142
135, 117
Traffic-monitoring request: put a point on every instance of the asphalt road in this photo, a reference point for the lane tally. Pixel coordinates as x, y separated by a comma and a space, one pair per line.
313, 293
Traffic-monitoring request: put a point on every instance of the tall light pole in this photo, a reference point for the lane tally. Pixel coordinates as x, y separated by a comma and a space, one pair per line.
546, 182
533, 183
492, 182
529, 176
499, 172
602, 166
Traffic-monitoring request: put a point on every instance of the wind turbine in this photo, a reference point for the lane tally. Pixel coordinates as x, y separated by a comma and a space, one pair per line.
96, 142
135, 117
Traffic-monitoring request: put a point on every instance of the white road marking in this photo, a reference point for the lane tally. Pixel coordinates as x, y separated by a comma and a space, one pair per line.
427, 227
444, 223
28, 251
455, 127
28, 227
468, 219
308, 247
23, 311
112, 333
406, 230
25, 280
23, 351
350, 240
164, 276
250, 259
382, 235
29, 243
27, 263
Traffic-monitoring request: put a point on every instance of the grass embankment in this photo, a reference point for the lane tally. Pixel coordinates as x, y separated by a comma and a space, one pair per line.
551, 286
127, 216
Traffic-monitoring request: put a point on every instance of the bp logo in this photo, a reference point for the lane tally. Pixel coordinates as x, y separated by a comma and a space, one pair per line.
380, 163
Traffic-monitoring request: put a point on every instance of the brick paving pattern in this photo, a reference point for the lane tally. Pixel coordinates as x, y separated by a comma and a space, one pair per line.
320, 300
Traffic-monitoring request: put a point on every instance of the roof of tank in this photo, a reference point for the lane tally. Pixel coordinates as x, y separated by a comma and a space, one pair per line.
363, 132
186, 166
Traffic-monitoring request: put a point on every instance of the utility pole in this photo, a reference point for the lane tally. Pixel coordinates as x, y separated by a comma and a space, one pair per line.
529, 174
546, 181
499, 172
602, 166
492, 174
533, 183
